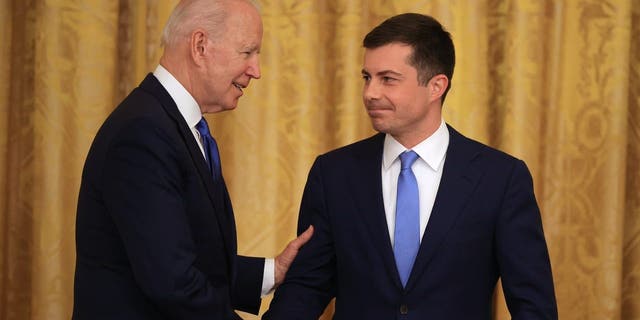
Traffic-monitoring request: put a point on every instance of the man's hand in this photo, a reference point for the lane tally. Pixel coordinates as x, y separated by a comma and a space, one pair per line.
284, 259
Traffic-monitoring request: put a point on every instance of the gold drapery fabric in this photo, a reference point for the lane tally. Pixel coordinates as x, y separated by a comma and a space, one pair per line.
556, 83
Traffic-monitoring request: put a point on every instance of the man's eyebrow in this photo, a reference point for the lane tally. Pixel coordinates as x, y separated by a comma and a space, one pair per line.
384, 73
251, 48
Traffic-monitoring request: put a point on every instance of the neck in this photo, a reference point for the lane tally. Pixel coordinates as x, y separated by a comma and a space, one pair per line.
180, 70
423, 131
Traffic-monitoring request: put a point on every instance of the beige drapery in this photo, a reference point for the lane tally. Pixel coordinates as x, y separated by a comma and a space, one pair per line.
554, 82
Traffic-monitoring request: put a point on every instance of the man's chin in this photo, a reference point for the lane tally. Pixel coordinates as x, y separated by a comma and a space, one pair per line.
231, 105
221, 108
378, 125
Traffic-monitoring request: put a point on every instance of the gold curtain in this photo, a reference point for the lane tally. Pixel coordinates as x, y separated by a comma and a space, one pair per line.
554, 82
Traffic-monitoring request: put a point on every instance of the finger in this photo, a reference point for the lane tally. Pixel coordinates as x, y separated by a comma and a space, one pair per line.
307, 233
302, 238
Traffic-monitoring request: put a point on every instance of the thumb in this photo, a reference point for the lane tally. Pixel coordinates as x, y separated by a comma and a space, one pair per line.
303, 238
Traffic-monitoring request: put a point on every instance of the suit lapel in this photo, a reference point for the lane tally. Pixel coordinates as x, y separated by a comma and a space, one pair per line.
216, 191
366, 183
459, 178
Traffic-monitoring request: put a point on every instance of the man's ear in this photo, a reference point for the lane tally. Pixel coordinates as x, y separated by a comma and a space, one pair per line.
198, 46
437, 86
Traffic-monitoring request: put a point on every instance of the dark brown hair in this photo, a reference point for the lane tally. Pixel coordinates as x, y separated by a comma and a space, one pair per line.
433, 51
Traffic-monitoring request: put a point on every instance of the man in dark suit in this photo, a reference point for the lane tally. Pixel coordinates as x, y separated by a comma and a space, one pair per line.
418, 221
155, 231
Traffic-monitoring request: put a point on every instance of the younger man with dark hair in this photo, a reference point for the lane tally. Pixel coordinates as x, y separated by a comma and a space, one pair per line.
418, 221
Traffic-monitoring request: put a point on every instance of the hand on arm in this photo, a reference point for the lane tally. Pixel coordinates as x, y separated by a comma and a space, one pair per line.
285, 258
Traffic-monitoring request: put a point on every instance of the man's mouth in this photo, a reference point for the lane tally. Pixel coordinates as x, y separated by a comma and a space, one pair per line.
376, 111
239, 86
376, 108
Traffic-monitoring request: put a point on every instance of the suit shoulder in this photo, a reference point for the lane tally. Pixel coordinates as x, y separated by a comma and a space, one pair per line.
140, 116
139, 103
140, 106
373, 143
491, 154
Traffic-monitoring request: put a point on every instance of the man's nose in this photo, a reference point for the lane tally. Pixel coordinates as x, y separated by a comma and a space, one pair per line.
254, 67
371, 91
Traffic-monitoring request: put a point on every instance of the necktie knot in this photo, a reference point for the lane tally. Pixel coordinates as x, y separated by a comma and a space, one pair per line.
212, 155
203, 128
407, 159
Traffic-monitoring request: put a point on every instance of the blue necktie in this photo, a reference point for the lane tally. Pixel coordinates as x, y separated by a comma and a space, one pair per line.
407, 231
210, 149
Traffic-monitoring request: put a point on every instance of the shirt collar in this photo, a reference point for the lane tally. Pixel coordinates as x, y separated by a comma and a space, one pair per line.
432, 149
187, 105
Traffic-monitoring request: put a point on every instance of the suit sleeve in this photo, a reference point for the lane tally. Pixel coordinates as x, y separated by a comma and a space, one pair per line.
248, 284
142, 190
522, 252
309, 284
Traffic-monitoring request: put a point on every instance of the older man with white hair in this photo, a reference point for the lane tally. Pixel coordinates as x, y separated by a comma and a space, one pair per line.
155, 231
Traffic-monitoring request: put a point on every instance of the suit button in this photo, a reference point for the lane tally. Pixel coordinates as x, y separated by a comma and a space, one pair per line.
404, 309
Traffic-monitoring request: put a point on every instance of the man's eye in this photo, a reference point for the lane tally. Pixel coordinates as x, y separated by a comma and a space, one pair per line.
387, 79
366, 77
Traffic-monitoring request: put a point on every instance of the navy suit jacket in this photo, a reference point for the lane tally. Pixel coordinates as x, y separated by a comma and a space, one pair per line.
155, 235
485, 224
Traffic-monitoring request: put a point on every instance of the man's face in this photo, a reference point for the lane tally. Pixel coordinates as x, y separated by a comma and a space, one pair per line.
234, 59
396, 103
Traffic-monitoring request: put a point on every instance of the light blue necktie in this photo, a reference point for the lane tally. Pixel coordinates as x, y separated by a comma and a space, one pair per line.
407, 231
210, 149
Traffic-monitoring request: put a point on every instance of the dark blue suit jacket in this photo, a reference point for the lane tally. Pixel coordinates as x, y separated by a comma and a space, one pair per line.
485, 224
155, 235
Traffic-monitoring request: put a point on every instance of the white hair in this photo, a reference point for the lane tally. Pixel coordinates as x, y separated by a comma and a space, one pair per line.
191, 14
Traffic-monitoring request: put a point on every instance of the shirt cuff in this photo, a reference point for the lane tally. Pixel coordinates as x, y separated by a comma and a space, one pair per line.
268, 277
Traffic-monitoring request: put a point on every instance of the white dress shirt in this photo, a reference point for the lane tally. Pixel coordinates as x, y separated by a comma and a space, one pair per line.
191, 113
427, 169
